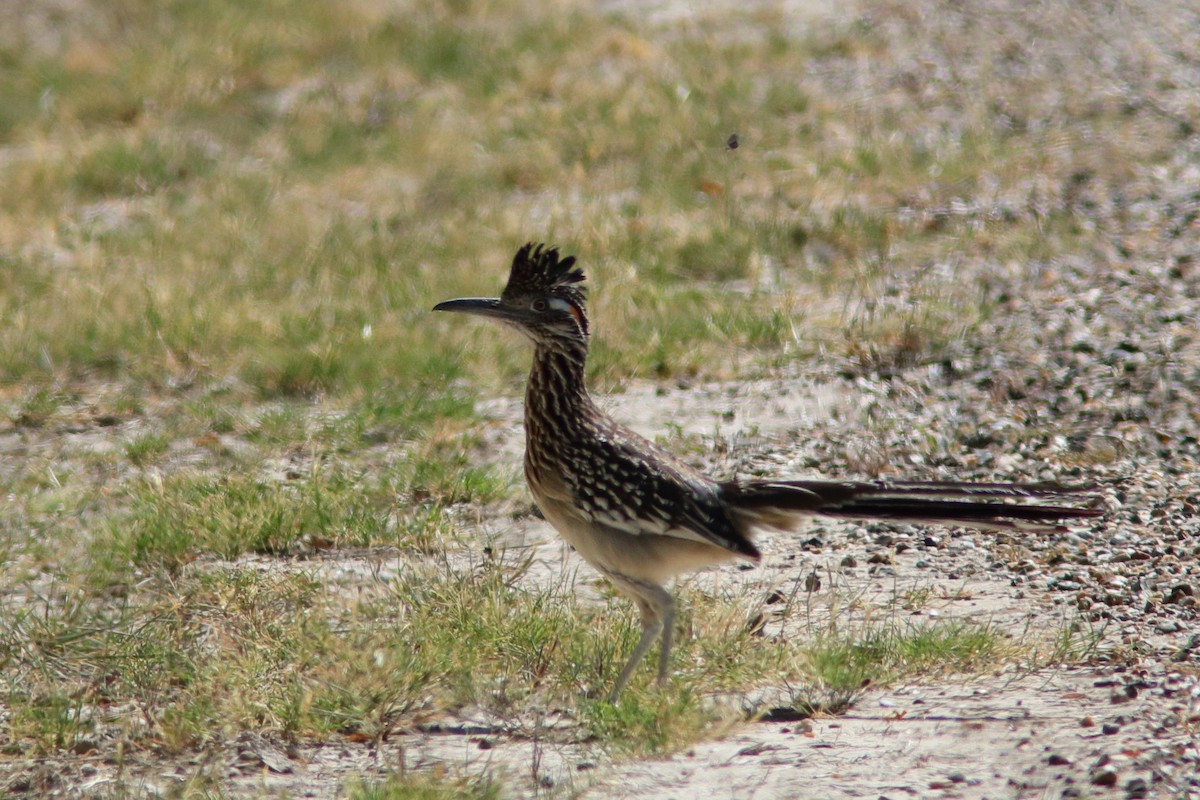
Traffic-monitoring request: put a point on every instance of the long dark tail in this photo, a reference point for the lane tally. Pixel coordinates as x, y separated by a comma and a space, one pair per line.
1026, 506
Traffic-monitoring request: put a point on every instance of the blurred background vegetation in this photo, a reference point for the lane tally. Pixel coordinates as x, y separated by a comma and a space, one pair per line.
270, 195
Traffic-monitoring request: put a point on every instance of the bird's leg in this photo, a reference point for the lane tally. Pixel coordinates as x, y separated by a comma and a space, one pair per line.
658, 616
650, 629
668, 636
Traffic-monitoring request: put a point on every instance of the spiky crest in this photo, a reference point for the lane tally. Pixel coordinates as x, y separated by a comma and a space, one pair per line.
538, 270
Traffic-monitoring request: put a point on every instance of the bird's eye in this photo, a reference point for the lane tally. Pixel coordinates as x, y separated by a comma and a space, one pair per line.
540, 305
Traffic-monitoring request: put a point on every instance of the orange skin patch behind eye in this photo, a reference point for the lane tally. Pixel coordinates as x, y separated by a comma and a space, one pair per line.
575, 312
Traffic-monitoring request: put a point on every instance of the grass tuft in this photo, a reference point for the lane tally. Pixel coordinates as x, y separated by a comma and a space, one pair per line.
421, 786
837, 668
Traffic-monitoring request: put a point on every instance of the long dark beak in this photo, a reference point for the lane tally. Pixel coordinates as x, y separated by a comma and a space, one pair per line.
480, 306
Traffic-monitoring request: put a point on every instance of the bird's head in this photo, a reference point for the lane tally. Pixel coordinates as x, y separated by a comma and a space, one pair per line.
544, 298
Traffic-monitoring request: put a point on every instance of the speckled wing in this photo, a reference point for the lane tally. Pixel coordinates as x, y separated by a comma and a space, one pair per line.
629, 489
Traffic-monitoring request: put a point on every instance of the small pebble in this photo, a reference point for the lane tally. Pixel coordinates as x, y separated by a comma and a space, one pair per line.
1137, 788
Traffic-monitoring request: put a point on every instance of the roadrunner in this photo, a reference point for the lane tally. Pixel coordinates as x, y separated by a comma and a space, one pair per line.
640, 516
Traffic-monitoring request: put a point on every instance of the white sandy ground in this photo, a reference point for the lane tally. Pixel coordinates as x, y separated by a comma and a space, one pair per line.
1014, 735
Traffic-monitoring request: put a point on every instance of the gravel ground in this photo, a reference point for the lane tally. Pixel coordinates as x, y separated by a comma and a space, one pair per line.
1125, 725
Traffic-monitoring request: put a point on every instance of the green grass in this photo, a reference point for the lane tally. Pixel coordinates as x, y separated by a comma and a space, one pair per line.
37, 408
285, 210
425, 787
171, 521
212, 653
843, 666
146, 448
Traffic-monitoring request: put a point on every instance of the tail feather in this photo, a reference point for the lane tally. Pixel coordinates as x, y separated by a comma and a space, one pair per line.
1030, 506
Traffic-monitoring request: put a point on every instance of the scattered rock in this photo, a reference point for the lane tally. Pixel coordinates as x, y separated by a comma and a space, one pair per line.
1137, 788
